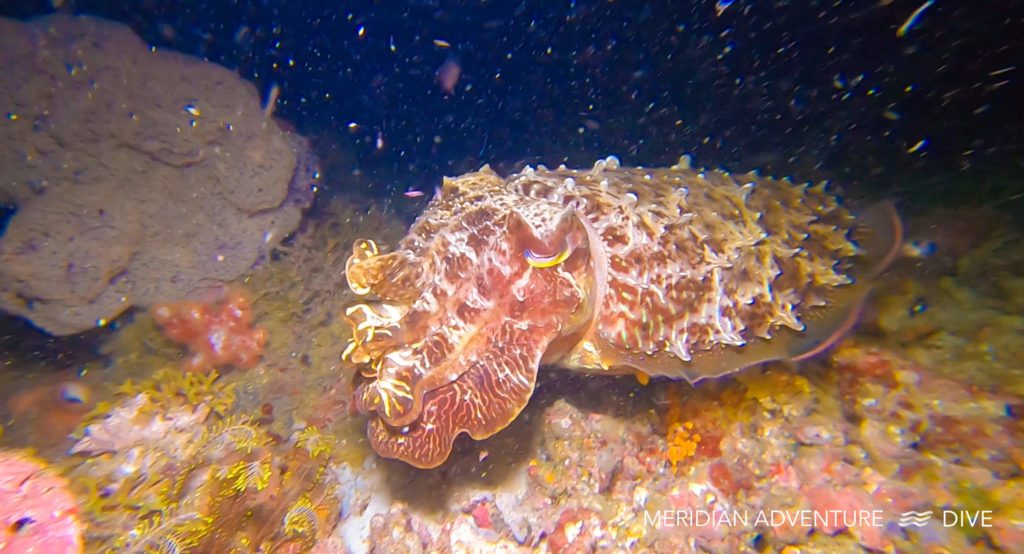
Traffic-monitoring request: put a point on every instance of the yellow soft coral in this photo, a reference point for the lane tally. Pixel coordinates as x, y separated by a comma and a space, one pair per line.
170, 387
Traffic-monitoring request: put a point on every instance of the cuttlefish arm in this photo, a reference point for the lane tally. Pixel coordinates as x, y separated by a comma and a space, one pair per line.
476, 368
481, 402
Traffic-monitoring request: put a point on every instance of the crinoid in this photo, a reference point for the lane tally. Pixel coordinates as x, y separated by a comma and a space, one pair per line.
168, 532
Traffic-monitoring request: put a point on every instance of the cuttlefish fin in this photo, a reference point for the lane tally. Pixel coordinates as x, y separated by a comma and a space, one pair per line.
878, 233
707, 364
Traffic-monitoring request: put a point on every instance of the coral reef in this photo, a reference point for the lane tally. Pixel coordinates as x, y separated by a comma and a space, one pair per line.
168, 469
920, 411
298, 300
138, 175
37, 511
966, 320
301, 382
850, 444
297, 291
217, 335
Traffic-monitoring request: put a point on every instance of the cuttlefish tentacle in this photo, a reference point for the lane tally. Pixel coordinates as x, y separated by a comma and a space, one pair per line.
395, 276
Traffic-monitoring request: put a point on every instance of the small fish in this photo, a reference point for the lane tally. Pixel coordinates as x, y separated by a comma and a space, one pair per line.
413, 193
919, 248
721, 6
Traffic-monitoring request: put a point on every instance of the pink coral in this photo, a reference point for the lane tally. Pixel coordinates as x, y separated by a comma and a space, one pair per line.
37, 513
217, 335
579, 530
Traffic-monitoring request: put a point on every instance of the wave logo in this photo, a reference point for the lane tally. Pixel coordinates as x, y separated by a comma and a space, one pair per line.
916, 519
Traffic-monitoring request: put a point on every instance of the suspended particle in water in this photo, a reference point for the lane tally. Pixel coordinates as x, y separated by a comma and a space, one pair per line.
448, 76
912, 20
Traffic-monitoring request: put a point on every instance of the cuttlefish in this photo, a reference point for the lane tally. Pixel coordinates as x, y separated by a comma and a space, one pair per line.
673, 272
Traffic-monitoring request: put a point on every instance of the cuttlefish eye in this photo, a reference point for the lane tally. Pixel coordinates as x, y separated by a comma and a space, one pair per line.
368, 247
537, 260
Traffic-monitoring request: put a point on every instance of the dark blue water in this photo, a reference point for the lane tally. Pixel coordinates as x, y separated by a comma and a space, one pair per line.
810, 88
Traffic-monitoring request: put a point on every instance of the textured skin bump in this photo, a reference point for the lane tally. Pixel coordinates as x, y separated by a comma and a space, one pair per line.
672, 271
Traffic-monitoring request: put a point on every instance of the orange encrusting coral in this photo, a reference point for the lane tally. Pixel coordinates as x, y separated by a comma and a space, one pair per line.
682, 443
690, 425
217, 335
681, 440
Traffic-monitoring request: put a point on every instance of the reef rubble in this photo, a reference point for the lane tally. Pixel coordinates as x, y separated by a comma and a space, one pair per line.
825, 460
